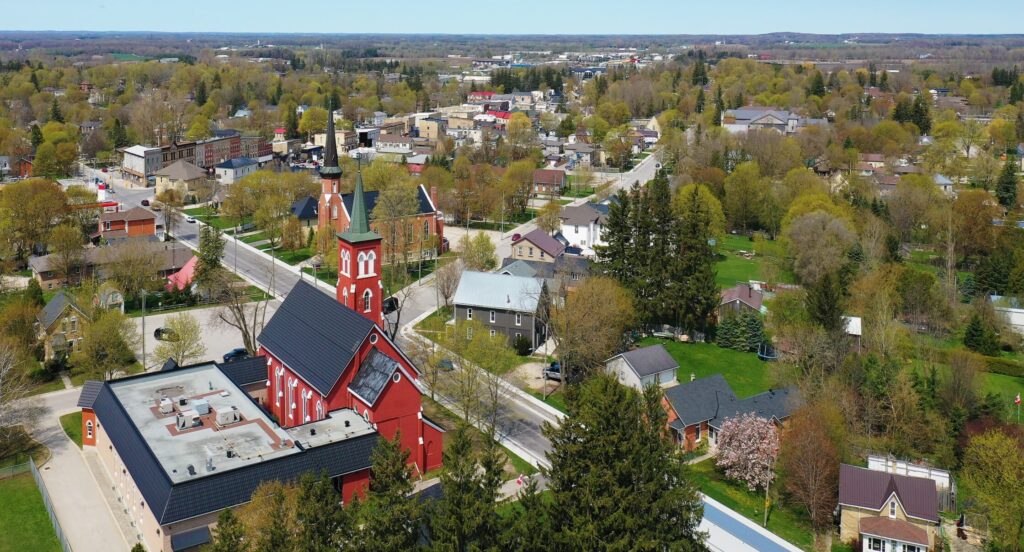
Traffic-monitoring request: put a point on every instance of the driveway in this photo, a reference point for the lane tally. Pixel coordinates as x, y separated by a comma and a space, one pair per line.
218, 337
77, 499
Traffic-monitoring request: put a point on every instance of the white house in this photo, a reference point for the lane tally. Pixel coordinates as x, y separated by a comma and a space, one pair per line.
232, 170
749, 118
140, 162
583, 225
642, 367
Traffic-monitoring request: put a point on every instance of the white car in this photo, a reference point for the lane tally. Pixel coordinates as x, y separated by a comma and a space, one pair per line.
190, 220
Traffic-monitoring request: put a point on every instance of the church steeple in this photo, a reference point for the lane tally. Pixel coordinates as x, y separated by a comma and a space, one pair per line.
359, 262
359, 228
330, 169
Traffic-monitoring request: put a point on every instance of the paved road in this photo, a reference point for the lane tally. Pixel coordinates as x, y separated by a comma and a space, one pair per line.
77, 498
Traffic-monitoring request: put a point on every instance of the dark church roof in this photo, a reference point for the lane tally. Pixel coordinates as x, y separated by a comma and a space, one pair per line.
373, 375
305, 208
370, 200
315, 336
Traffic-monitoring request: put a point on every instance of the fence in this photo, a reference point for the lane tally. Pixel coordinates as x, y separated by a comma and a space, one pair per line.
10, 471
64, 544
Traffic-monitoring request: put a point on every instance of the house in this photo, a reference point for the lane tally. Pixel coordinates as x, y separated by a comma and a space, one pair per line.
560, 277
583, 226
548, 182
234, 170
642, 367
740, 298
537, 245
944, 183
749, 118
167, 258
697, 409
182, 278
133, 223
182, 176
60, 326
853, 324
225, 144
507, 304
887, 512
305, 211
5, 166
138, 163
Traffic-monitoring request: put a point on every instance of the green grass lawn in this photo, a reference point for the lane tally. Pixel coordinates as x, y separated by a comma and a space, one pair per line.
556, 399
733, 268
294, 257
209, 216
24, 524
745, 373
784, 521
72, 424
253, 238
326, 275
448, 420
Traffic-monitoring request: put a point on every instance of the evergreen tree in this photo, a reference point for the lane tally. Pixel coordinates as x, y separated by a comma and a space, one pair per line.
658, 286
719, 107
817, 85
981, 337
824, 303
466, 517
117, 135
618, 236
228, 535
33, 293
278, 92
883, 81
275, 534
324, 526
610, 455
291, 122
37, 137
726, 332
34, 80
872, 75
55, 114
920, 113
528, 528
211, 249
693, 268
753, 331
1006, 186
700, 101
390, 517
201, 94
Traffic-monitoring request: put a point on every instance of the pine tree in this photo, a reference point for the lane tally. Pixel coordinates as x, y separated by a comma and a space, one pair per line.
618, 235
201, 95
824, 303
694, 266
37, 136
291, 122
817, 85
528, 528
229, 535
753, 331
883, 81
700, 101
276, 533
726, 333
872, 75
390, 517
33, 293
980, 337
719, 107
55, 114
34, 80
117, 135
465, 517
659, 286
324, 526
1006, 186
616, 481
920, 112
211, 249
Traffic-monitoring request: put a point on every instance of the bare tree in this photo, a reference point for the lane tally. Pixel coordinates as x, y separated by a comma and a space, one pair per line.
14, 385
808, 464
446, 279
237, 308
131, 265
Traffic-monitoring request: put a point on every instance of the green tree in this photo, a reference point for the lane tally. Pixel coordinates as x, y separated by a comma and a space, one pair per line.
980, 336
610, 454
37, 136
201, 94
466, 518
314, 121
323, 525
994, 473
825, 303
184, 342
390, 516
228, 535
1006, 185
693, 270
107, 346
45, 164
528, 528
211, 249
478, 252
66, 247
55, 113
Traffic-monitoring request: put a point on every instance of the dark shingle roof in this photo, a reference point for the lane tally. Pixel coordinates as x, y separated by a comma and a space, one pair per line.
53, 310
305, 208
696, 401
89, 392
246, 371
866, 488
774, 404
371, 201
544, 241
315, 336
173, 503
647, 361
373, 376
190, 539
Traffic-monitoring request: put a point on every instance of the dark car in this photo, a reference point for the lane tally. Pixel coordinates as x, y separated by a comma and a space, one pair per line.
236, 354
165, 334
145, 203
553, 372
390, 305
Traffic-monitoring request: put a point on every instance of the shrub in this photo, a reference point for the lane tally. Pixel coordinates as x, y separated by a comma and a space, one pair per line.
522, 345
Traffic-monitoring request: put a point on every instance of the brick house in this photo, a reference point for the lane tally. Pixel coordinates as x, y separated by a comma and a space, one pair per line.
549, 182
537, 245
133, 223
60, 326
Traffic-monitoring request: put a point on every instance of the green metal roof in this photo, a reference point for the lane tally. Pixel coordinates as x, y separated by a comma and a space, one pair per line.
359, 228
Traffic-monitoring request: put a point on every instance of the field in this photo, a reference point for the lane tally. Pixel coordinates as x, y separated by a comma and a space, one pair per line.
745, 373
24, 524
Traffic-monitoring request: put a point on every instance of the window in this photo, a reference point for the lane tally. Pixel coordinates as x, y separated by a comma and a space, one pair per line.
74, 323
576, 229
542, 254
334, 211
88, 429
698, 433
493, 317
520, 251
366, 261
334, 187
518, 335
346, 262
319, 410
519, 319
875, 544
911, 548
396, 377
492, 333
469, 313
367, 296
64, 325
426, 228
344, 297
531, 252
892, 509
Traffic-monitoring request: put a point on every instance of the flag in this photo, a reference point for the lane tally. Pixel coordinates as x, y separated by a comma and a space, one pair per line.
1017, 400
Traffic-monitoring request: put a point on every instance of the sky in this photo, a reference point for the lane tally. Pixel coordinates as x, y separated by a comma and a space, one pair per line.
521, 16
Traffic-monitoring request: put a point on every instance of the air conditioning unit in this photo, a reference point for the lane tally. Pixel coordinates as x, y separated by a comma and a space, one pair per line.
228, 416
202, 406
166, 406
188, 419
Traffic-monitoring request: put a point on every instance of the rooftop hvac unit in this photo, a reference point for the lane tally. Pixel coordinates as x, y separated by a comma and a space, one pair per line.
166, 406
188, 419
228, 416
202, 406
182, 401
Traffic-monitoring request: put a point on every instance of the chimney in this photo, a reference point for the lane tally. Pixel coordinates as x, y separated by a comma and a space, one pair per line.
433, 195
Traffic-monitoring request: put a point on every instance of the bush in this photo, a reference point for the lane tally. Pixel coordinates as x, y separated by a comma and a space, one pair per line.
42, 375
1004, 366
522, 345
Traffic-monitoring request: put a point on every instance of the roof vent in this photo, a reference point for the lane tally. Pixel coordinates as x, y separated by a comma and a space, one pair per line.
312, 431
209, 463
347, 423
191, 469
231, 453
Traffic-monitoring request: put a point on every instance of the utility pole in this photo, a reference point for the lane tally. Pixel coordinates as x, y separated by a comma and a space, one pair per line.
143, 330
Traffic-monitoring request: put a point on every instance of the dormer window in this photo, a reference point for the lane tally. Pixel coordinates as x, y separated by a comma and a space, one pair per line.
892, 509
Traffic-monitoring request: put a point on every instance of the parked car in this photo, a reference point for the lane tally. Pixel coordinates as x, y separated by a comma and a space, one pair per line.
390, 305
190, 220
236, 354
145, 203
165, 334
515, 237
553, 372
446, 364
104, 169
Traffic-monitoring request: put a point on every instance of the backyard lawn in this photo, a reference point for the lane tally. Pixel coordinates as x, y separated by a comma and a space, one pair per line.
733, 268
72, 424
24, 524
745, 373
784, 521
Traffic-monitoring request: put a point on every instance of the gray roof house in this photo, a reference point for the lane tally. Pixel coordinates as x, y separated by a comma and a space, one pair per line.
503, 303
644, 366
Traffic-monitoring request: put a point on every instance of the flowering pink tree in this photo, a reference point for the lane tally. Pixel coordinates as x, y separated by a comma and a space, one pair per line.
747, 448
